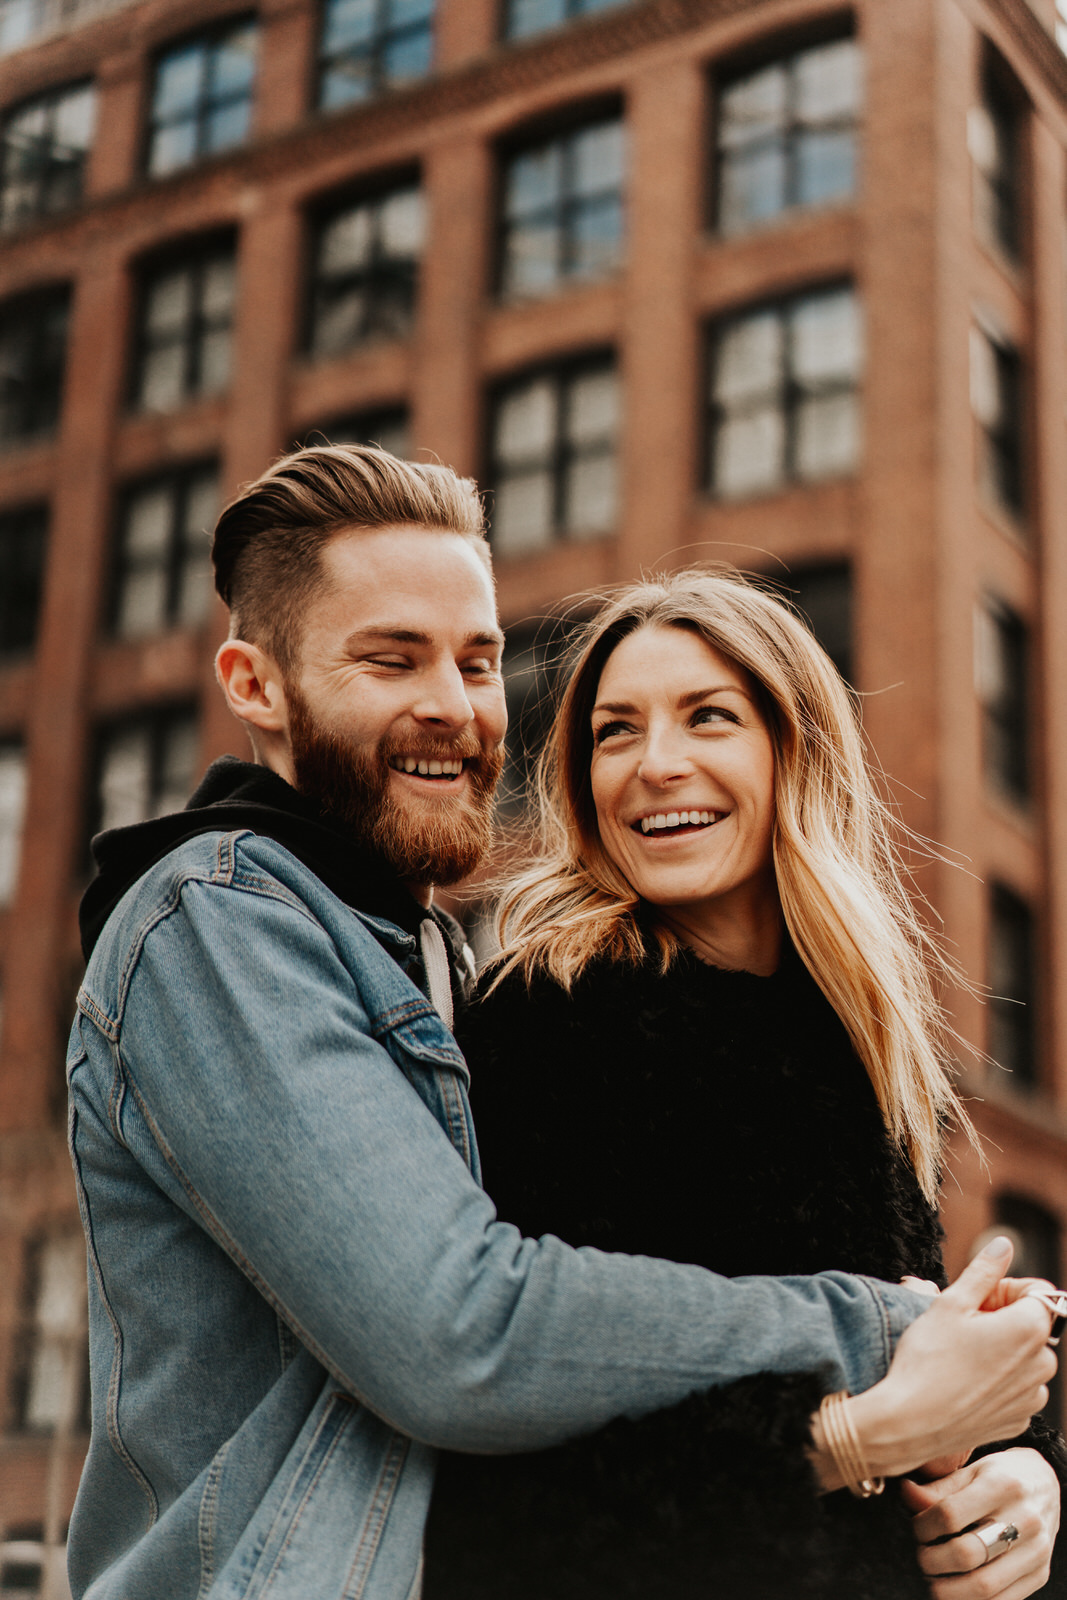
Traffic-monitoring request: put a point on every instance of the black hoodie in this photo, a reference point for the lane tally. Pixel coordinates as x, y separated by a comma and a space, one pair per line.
237, 795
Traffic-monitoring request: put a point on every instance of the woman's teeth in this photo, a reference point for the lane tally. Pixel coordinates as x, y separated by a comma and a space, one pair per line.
677, 819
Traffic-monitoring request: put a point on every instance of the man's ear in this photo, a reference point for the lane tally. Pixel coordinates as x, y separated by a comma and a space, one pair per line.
251, 680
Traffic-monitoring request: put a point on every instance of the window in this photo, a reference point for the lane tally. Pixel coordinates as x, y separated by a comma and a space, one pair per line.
997, 402
1012, 956
146, 767
823, 596
553, 473
784, 406
53, 1388
562, 210
12, 811
43, 147
185, 324
21, 21
202, 99
1001, 673
163, 568
994, 138
389, 429
371, 45
531, 663
22, 547
365, 272
33, 341
787, 135
526, 17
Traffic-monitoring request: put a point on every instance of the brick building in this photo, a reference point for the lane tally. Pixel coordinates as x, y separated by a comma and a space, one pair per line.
777, 281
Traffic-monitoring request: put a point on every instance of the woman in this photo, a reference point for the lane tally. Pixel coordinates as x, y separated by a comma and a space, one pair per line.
712, 1036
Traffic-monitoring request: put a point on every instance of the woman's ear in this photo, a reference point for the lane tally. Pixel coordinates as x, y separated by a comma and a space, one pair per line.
251, 680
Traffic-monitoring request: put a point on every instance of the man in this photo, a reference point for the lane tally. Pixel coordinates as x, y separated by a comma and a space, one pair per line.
297, 1287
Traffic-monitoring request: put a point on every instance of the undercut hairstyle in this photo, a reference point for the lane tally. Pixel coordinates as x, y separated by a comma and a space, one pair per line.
836, 852
268, 542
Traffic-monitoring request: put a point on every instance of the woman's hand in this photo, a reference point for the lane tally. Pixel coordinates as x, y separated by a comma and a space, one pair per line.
1016, 1488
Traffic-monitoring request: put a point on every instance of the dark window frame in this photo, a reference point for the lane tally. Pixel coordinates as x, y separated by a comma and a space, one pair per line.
52, 174
196, 257
22, 580
361, 427
567, 206
1013, 1022
182, 480
564, 370
800, 589
792, 394
381, 268
32, 314
380, 41
1007, 737
1002, 465
157, 719
1005, 103
786, 47
212, 39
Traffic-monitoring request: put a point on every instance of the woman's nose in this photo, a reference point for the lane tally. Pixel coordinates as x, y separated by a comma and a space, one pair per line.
663, 758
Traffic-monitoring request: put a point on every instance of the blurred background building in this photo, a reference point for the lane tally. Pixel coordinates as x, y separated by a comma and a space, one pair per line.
781, 282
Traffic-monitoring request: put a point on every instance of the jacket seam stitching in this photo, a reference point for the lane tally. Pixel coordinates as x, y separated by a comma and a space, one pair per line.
320, 1468
376, 1517
114, 1431
206, 1519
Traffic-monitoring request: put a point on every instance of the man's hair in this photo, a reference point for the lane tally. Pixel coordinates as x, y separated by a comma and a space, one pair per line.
268, 543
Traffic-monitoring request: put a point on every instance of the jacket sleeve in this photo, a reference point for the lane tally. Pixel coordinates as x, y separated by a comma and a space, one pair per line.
255, 1092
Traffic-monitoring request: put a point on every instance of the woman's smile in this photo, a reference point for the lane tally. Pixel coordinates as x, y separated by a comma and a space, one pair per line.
682, 777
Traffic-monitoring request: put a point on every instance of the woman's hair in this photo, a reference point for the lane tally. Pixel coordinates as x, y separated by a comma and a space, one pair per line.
837, 868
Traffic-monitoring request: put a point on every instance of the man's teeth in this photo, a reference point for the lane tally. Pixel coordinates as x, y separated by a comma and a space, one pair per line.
429, 769
677, 819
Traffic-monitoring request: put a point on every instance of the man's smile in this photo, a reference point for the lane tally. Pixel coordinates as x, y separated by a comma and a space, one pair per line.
424, 767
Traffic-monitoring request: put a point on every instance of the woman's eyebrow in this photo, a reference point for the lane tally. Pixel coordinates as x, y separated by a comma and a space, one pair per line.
693, 698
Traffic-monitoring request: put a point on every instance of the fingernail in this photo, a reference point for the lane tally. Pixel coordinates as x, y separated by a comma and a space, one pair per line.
997, 1248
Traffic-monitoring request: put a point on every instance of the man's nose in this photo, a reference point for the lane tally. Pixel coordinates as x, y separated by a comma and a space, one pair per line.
443, 699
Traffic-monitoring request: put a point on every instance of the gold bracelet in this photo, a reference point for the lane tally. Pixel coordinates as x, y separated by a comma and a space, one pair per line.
842, 1441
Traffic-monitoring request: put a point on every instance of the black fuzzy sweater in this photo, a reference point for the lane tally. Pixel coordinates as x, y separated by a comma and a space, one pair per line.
716, 1118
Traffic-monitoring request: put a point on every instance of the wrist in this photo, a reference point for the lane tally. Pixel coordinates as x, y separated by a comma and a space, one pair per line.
889, 1439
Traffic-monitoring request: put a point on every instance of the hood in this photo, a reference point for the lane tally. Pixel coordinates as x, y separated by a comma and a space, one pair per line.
237, 795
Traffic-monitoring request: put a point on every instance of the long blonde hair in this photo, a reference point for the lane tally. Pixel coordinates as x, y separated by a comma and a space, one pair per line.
838, 873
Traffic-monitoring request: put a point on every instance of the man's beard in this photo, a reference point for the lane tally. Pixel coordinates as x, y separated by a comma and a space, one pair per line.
349, 782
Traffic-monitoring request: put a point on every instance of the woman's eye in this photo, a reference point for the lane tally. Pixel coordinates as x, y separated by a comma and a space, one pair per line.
607, 730
707, 714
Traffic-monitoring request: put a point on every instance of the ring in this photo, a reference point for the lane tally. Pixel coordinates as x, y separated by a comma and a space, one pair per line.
994, 1534
1055, 1303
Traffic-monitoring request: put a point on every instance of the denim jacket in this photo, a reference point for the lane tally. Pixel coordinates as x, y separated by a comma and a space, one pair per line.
298, 1289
